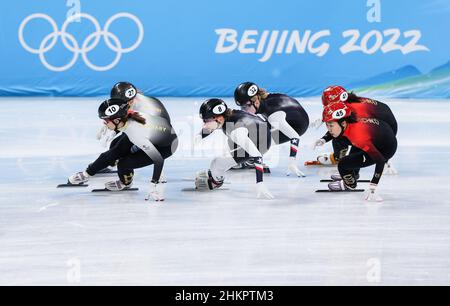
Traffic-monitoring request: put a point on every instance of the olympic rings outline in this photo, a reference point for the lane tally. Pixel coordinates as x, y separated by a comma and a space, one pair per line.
71, 44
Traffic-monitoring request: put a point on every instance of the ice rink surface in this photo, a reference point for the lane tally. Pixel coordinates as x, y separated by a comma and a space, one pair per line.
51, 236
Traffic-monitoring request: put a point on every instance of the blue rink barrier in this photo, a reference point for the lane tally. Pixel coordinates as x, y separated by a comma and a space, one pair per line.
206, 48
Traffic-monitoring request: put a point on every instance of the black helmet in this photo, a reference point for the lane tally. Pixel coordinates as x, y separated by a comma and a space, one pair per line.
123, 90
113, 109
211, 108
244, 92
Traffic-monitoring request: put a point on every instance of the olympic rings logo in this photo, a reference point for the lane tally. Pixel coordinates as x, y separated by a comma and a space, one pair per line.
91, 41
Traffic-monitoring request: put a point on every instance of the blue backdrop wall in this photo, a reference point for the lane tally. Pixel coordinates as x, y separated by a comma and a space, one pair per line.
205, 48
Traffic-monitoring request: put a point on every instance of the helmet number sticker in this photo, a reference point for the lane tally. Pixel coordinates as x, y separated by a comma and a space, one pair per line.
112, 110
219, 109
339, 114
252, 91
130, 93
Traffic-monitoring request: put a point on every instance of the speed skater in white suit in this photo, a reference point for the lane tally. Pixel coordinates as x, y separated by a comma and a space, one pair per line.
145, 140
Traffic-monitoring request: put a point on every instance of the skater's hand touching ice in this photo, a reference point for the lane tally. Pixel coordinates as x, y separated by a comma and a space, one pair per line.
372, 195
293, 168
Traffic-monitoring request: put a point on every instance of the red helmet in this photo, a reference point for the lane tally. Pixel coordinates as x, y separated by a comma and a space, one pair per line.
335, 112
334, 94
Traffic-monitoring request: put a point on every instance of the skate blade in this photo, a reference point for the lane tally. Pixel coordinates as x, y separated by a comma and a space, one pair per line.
107, 190
153, 200
198, 190
338, 191
186, 179
331, 181
71, 185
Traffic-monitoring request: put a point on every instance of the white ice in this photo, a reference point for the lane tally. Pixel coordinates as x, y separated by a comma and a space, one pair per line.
52, 236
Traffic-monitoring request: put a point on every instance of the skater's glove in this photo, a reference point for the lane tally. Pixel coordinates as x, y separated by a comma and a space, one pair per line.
156, 192
293, 168
105, 136
318, 143
372, 195
263, 192
102, 132
389, 169
198, 139
316, 123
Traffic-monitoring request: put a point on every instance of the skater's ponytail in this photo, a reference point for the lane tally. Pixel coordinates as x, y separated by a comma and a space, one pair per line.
136, 117
228, 113
353, 98
262, 93
353, 118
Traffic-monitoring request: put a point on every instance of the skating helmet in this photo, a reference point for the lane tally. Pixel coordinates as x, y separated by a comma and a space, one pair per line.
124, 90
336, 112
211, 108
244, 92
113, 109
334, 94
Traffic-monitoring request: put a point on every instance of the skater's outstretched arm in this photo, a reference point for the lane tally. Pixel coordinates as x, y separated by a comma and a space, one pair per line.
278, 120
379, 160
240, 137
